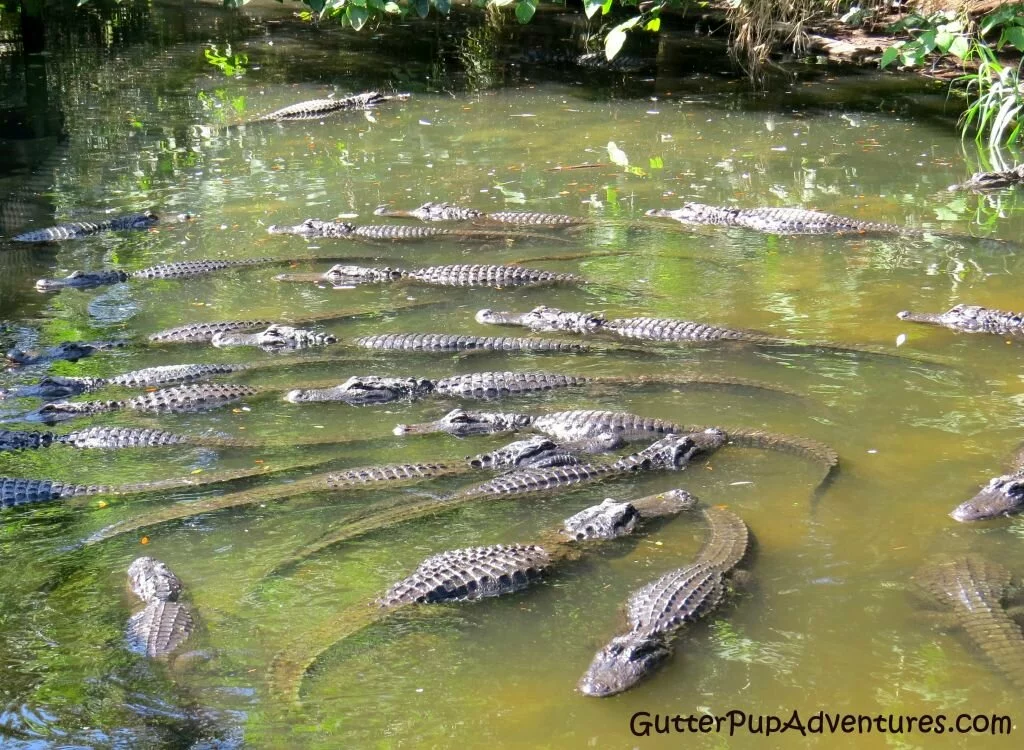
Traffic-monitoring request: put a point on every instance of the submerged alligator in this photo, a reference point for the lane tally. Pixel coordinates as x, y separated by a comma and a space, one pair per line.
434, 211
61, 386
74, 230
975, 589
455, 275
165, 622
777, 220
1001, 496
582, 424
452, 342
535, 452
315, 109
982, 181
16, 491
315, 228
656, 611
176, 399
971, 319
373, 389
544, 318
473, 573
180, 270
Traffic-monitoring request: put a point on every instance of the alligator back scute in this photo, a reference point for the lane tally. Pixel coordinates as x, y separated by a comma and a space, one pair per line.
197, 332
680, 596
191, 397
159, 628
454, 342
16, 491
471, 573
974, 588
122, 437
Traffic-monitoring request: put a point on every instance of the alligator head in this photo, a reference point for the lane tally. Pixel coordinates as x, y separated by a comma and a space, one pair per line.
676, 451
69, 350
314, 228
967, 318
462, 423
433, 211
695, 213
1000, 497
361, 390
544, 318
151, 579
52, 386
275, 338
148, 219
622, 663
342, 275
515, 454
609, 520
81, 280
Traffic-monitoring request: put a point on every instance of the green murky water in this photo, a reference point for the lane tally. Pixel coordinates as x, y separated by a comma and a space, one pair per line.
828, 623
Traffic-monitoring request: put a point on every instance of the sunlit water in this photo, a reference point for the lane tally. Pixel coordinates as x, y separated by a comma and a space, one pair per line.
828, 622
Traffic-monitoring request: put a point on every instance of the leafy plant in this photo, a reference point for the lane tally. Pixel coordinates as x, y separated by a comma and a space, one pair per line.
993, 90
229, 64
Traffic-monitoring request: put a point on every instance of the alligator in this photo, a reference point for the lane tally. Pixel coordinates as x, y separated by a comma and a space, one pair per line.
365, 389
670, 452
533, 452
274, 338
544, 318
972, 319
176, 399
16, 491
455, 275
129, 437
658, 610
433, 211
77, 229
60, 386
317, 228
474, 573
165, 622
1001, 496
589, 60
315, 109
449, 342
975, 589
777, 220
982, 181
66, 350
582, 424
180, 270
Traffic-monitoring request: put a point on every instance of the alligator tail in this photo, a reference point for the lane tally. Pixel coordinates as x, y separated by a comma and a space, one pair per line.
807, 448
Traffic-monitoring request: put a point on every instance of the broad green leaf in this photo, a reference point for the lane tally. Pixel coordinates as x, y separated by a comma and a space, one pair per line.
357, 16
627, 25
613, 42
592, 6
422, 7
653, 25
889, 56
525, 10
927, 40
443, 6
392, 8
944, 40
606, 7
960, 47
358, 3
1013, 35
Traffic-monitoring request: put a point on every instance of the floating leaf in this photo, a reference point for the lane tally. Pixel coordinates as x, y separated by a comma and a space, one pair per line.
901, 339
144, 540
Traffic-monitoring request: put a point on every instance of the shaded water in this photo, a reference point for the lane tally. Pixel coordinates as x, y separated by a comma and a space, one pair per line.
828, 623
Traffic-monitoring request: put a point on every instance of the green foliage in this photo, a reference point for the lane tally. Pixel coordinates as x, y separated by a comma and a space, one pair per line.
232, 65
993, 90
